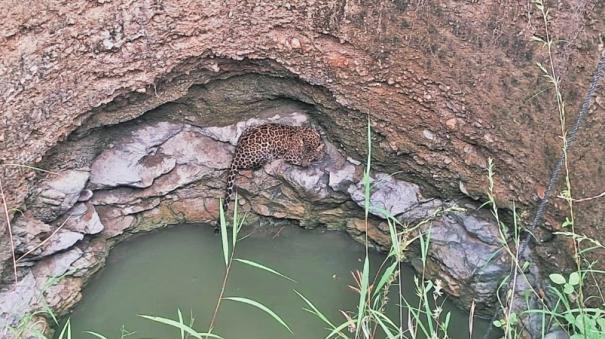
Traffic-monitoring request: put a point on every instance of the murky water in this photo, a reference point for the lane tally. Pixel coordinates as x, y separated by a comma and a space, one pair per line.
182, 268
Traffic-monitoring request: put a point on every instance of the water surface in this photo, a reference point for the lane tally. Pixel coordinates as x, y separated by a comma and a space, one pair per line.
182, 268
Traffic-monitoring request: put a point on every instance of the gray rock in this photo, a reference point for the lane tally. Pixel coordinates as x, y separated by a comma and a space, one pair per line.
231, 133
312, 180
28, 234
15, 302
191, 147
485, 230
424, 210
127, 167
115, 222
60, 241
89, 261
58, 194
341, 179
307, 181
57, 265
342, 173
141, 205
387, 193
85, 195
116, 196
83, 218
134, 161
473, 263
181, 175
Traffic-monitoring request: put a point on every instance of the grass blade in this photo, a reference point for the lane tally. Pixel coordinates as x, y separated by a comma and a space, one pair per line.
181, 322
263, 267
96, 334
181, 326
223, 225
366, 174
363, 290
262, 308
338, 330
388, 273
379, 317
235, 222
66, 331
314, 310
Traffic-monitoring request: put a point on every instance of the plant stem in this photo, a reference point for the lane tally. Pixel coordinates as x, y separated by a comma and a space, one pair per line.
10, 232
222, 293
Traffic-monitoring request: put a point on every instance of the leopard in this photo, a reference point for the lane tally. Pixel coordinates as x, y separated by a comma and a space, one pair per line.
258, 145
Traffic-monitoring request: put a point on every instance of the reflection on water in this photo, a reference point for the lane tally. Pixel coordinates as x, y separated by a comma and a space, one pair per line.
182, 268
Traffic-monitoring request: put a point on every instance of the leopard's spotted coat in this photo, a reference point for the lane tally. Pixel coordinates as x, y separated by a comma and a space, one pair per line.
298, 145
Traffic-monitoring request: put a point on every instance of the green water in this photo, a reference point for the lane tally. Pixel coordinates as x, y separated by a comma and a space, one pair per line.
182, 267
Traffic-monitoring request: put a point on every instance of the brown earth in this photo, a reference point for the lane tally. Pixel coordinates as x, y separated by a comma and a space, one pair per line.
446, 85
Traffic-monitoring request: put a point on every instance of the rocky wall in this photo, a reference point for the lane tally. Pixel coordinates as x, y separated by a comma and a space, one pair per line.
447, 84
151, 173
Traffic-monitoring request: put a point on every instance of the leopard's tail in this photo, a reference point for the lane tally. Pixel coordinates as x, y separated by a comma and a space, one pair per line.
230, 186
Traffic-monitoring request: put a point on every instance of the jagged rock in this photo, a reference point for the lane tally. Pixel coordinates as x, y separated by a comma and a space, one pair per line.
467, 261
57, 265
38, 239
60, 241
180, 176
424, 210
83, 218
85, 195
67, 292
140, 205
309, 181
28, 234
191, 147
17, 301
116, 196
58, 194
342, 178
357, 227
480, 227
231, 133
387, 193
113, 219
277, 200
196, 209
134, 161
90, 260
190, 154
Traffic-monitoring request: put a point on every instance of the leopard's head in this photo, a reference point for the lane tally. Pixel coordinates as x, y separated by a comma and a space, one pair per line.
313, 145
